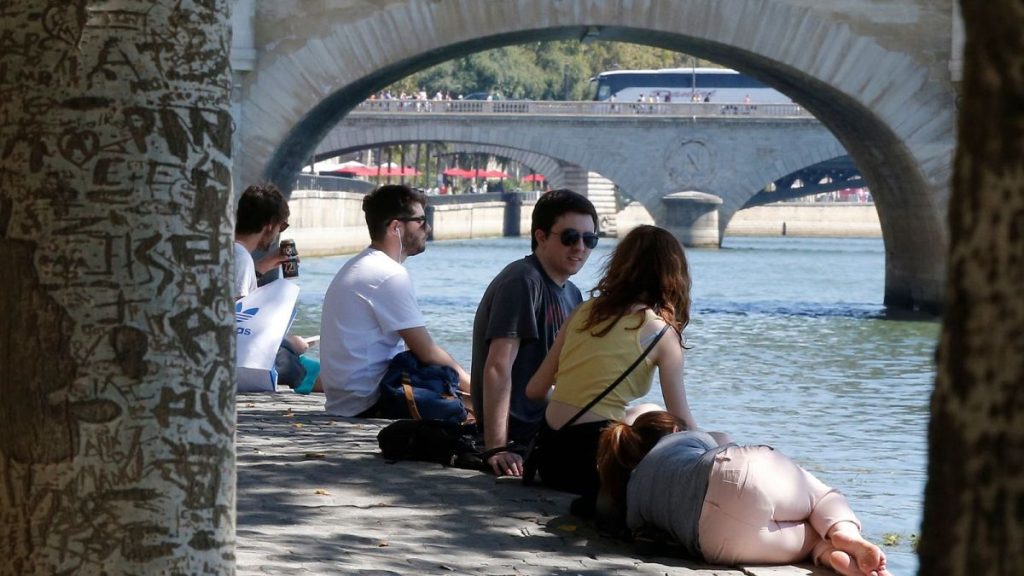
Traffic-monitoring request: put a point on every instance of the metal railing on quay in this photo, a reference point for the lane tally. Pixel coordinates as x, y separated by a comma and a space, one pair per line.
330, 184
584, 108
446, 199
335, 184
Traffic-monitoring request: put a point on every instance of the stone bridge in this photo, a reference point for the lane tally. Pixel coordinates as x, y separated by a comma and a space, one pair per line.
876, 73
664, 149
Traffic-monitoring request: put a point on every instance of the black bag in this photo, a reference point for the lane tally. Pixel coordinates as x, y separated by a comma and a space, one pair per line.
431, 441
411, 389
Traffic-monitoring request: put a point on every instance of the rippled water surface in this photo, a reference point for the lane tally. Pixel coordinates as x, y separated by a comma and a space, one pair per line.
790, 347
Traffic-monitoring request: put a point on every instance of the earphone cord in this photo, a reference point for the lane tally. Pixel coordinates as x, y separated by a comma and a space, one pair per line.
401, 246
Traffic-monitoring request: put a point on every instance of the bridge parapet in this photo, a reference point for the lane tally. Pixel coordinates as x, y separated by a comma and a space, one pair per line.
585, 108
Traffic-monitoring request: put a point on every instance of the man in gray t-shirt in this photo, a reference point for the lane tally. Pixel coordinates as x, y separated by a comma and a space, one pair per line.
517, 320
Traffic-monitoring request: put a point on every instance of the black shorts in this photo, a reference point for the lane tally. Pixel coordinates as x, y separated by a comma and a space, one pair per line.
567, 458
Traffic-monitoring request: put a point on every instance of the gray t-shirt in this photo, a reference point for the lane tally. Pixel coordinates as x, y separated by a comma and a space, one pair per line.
667, 489
521, 302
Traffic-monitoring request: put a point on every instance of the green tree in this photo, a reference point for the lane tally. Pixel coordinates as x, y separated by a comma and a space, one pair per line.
540, 70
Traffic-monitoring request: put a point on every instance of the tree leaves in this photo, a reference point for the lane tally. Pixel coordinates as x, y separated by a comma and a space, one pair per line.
556, 70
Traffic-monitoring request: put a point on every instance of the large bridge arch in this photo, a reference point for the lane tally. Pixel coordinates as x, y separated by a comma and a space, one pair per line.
875, 74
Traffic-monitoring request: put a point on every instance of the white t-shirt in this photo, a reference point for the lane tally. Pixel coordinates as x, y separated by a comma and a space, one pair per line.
370, 299
245, 272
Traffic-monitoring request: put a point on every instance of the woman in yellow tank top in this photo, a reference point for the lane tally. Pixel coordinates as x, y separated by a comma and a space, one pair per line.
645, 285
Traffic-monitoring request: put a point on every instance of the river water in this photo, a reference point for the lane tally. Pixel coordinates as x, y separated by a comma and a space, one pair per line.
789, 347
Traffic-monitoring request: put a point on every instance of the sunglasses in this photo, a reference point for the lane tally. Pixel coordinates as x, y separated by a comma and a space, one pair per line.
421, 219
284, 226
570, 236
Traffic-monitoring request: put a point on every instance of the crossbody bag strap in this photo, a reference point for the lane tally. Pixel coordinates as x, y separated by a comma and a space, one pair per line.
622, 377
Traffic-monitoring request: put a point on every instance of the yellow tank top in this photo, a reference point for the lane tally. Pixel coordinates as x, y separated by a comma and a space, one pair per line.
588, 364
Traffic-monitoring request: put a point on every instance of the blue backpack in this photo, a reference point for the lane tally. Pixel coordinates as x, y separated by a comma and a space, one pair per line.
417, 391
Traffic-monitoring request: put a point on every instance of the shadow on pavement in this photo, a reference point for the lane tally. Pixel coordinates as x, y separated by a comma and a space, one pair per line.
314, 496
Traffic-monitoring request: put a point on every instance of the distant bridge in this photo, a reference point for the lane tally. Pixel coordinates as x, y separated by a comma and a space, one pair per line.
728, 150
840, 170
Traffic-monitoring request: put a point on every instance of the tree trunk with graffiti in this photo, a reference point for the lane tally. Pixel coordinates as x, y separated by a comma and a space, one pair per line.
116, 393
974, 510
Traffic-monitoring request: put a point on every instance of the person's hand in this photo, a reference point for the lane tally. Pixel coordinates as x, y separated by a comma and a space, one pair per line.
271, 261
506, 464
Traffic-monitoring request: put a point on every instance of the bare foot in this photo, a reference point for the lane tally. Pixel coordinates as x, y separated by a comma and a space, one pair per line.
862, 557
841, 562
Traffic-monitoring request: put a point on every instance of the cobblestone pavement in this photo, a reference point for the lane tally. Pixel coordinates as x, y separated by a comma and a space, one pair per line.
315, 497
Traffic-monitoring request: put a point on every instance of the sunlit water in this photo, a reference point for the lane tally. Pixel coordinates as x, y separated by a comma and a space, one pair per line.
789, 348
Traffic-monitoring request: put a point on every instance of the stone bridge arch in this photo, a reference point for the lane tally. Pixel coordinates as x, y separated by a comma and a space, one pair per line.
553, 169
875, 74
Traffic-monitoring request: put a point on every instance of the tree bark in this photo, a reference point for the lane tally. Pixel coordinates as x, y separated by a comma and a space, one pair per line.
116, 355
974, 502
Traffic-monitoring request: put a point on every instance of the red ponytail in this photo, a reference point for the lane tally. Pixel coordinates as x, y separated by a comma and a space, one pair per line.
620, 450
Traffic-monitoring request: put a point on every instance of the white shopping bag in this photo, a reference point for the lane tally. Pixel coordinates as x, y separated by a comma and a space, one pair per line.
261, 320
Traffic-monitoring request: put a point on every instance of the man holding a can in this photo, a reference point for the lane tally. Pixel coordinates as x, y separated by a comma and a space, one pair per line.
262, 216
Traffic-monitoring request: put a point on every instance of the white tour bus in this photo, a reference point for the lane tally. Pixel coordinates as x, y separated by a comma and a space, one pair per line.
685, 85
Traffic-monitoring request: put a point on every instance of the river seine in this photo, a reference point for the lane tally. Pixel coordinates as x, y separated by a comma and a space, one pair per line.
789, 347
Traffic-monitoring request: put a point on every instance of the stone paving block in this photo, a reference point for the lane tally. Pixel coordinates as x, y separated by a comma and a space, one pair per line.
315, 497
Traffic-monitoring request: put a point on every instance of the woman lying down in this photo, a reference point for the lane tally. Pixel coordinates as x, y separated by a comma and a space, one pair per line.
727, 504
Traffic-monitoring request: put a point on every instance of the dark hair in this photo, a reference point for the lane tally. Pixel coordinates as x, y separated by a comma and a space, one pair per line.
647, 267
621, 447
553, 204
387, 203
259, 205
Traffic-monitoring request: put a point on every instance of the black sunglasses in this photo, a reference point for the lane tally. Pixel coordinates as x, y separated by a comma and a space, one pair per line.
570, 236
421, 219
284, 226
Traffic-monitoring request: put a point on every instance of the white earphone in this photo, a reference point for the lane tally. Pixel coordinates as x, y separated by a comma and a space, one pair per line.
401, 247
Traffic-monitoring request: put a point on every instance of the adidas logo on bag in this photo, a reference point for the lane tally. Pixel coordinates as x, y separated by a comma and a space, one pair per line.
244, 316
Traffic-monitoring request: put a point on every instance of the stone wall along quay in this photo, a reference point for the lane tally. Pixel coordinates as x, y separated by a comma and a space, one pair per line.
786, 219
325, 223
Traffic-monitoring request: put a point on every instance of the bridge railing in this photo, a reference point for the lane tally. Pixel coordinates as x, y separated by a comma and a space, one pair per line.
586, 108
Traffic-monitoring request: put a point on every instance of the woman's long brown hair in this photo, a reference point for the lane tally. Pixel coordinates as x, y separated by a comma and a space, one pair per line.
621, 447
648, 267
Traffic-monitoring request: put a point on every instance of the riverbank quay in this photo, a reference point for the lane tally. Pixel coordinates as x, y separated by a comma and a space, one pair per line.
329, 223
315, 497
809, 220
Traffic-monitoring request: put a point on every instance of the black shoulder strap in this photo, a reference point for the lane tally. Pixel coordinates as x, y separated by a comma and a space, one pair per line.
618, 380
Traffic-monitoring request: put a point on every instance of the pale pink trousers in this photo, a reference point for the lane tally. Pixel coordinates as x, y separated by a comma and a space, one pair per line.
761, 507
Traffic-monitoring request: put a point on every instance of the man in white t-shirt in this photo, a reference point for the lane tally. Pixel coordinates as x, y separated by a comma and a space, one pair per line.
262, 215
370, 312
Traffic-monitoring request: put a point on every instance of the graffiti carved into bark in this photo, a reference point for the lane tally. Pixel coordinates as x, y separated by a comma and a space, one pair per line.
974, 509
116, 395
